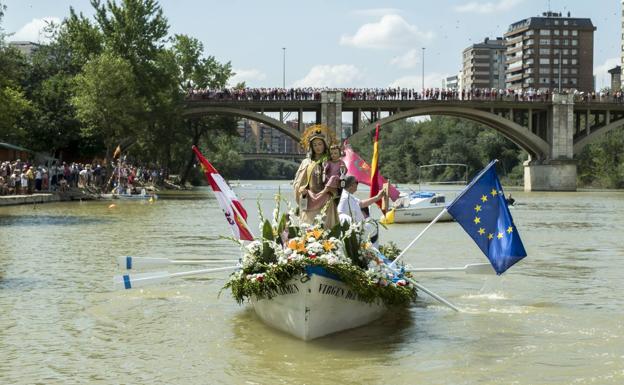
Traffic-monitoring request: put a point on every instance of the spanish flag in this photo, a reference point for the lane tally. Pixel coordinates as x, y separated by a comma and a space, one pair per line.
375, 186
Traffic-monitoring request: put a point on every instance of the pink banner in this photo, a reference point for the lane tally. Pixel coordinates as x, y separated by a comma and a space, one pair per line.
357, 167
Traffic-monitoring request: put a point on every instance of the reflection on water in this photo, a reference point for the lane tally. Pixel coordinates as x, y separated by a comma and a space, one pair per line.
556, 317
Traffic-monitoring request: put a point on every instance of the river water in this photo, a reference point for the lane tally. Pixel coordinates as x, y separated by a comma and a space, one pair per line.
557, 317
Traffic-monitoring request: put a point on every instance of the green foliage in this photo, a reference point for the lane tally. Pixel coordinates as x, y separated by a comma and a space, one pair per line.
405, 145
276, 277
106, 99
601, 164
390, 250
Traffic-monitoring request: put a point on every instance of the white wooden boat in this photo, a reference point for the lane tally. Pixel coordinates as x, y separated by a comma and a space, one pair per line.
126, 196
420, 206
316, 305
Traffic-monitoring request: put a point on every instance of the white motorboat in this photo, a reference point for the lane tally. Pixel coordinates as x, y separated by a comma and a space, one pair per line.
420, 206
316, 305
144, 195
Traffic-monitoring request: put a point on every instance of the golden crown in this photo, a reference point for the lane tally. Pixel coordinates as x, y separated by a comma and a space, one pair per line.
318, 131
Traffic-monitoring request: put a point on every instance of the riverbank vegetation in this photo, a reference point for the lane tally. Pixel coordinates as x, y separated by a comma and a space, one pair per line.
121, 77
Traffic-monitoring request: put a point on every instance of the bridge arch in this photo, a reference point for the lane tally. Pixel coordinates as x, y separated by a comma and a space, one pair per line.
256, 116
580, 143
280, 160
533, 144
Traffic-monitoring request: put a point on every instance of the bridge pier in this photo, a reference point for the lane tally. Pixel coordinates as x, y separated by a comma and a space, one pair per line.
331, 111
557, 172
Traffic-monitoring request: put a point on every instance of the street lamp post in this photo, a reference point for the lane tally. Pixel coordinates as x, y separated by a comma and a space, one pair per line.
423, 69
283, 67
559, 70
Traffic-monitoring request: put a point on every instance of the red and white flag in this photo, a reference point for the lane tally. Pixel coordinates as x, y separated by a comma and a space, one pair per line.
234, 211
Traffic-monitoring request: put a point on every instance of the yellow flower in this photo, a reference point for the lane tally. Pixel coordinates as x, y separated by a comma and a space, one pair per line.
328, 245
301, 247
315, 233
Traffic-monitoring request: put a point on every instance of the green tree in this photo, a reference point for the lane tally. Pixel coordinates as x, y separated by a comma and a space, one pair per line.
13, 102
106, 100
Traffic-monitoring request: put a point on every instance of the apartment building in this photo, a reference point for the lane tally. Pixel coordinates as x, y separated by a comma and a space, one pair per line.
483, 64
550, 52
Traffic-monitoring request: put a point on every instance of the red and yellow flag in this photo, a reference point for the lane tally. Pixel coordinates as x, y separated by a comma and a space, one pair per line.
234, 211
375, 186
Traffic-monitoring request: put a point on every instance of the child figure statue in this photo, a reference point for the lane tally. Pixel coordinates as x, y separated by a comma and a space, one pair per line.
335, 170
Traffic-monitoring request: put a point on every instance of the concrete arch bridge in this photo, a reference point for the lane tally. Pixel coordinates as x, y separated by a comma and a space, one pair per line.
552, 132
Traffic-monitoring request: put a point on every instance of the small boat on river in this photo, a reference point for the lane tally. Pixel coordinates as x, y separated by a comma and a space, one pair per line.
420, 206
315, 305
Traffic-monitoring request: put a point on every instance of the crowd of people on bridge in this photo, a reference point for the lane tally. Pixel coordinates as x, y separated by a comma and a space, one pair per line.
398, 93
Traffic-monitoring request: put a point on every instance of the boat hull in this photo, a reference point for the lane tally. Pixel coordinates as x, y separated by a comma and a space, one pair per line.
315, 306
420, 214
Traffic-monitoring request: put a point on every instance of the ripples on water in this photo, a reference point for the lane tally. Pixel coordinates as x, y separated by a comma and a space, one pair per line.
555, 318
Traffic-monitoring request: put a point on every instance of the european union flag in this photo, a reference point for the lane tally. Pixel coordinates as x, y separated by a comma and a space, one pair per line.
482, 211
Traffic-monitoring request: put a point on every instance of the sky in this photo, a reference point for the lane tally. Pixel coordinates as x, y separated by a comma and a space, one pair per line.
339, 43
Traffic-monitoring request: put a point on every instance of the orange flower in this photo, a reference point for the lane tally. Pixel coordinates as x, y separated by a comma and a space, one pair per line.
301, 247
328, 245
292, 244
315, 233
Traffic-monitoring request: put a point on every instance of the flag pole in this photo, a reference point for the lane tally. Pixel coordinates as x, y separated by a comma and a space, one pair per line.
418, 237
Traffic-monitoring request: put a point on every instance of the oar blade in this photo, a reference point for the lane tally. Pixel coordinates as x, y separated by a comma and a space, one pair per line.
480, 268
130, 263
133, 281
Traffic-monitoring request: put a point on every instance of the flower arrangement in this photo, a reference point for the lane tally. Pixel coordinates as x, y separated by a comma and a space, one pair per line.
286, 248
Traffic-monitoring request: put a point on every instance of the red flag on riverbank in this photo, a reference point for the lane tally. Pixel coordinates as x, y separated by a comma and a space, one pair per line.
234, 211
357, 167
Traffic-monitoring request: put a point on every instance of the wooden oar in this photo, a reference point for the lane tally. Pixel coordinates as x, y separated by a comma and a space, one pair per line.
131, 281
472, 268
130, 263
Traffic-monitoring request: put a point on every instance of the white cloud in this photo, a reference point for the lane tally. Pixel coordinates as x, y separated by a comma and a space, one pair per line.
341, 75
408, 60
603, 77
487, 7
34, 30
376, 12
432, 80
247, 76
391, 31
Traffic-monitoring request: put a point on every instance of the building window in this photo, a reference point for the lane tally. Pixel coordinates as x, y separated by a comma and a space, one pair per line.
544, 70
565, 32
530, 41
557, 32
556, 61
574, 52
556, 42
573, 71
564, 61
544, 80
566, 42
544, 51
544, 41
565, 51
574, 42
573, 62
545, 32
544, 61
574, 32
565, 71
565, 22
555, 70
573, 81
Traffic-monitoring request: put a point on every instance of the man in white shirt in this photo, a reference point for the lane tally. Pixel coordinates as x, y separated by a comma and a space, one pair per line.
350, 207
